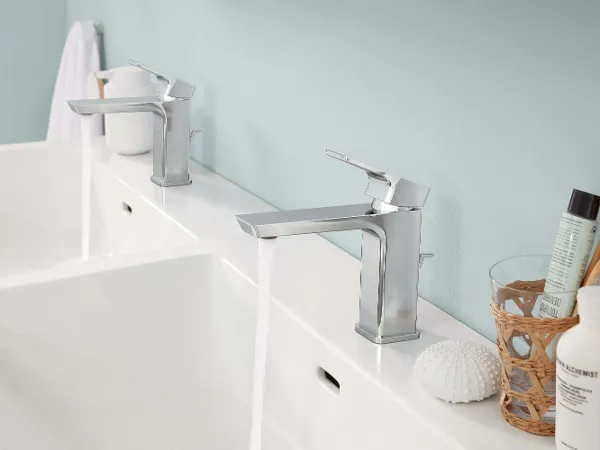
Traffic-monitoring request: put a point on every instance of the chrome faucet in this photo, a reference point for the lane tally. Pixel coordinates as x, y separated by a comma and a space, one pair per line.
172, 135
390, 252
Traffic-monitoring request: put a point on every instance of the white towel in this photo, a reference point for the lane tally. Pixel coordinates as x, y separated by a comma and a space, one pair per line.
80, 58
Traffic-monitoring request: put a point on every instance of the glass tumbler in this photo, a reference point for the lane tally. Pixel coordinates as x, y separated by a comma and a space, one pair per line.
517, 289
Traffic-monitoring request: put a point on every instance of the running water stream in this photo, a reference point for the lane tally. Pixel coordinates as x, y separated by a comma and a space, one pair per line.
266, 249
86, 184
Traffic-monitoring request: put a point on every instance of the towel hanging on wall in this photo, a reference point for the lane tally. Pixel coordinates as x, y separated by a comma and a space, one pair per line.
80, 58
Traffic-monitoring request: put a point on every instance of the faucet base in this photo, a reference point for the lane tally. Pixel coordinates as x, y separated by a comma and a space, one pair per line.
387, 339
161, 183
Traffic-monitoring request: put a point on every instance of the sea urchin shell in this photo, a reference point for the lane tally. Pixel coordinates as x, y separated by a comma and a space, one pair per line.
458, 371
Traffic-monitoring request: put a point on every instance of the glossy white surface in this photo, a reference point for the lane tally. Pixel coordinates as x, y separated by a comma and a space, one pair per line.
154, 350
41, 211
103, 361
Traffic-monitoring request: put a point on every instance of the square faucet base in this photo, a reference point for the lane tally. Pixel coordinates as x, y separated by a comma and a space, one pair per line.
161, 182
387, 339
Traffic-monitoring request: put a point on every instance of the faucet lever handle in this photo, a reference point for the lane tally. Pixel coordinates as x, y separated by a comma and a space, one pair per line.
372, 172
175, 87
387, 188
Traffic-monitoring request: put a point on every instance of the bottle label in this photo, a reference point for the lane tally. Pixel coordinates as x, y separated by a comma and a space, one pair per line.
578, 407
567, 267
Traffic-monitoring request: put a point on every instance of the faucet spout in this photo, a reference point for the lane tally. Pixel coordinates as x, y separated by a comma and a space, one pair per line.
151, 104
306, 221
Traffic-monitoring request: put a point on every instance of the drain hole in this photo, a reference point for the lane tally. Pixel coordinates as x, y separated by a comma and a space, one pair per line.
328, 380
126, 208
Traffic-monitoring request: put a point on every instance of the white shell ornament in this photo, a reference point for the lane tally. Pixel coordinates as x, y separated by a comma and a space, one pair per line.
459, 372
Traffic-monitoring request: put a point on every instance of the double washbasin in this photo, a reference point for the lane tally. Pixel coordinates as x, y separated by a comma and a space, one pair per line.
128, 313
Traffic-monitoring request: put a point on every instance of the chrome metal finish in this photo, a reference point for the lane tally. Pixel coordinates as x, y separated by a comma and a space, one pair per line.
306, 221
174, 86
172, 133
386, 339
386, 188
390, 249
119, 105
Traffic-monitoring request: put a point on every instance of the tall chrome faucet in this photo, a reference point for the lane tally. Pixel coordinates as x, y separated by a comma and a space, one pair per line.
172, 135
390, 252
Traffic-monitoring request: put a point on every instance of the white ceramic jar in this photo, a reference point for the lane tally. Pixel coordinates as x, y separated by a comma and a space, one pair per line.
128, 133
577, 378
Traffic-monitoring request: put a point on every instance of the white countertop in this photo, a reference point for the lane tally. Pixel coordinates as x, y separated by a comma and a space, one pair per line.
325, 299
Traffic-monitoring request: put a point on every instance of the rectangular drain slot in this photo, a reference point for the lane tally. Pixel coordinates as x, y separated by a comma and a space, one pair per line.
126, 208
328, 380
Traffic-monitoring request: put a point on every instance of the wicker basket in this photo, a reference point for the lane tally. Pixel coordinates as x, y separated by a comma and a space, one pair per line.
526, 408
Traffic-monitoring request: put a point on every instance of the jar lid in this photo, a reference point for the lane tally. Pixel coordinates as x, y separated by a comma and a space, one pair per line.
584, 204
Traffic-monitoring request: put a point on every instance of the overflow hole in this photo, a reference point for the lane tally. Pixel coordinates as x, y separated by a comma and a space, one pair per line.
126, 208
328, 380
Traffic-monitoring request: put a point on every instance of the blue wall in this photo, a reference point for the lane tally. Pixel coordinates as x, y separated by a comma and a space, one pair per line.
32, 34
492, 104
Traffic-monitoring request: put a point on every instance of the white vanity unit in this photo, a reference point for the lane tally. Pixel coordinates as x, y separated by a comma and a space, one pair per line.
145, 340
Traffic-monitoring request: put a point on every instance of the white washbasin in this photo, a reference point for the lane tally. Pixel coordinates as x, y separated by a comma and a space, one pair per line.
133, 358
154, 349
41, 211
